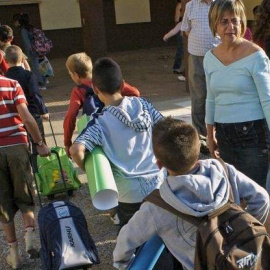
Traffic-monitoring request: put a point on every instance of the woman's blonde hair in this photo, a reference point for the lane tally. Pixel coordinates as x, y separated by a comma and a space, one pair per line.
80, 63
220, 7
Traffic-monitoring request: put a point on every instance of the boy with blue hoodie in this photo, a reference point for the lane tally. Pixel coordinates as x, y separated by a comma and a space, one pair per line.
194, 187
124, 130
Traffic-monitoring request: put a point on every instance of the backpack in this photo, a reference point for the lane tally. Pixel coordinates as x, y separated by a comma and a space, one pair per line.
64, 237
228, 238
92, 104
40, 44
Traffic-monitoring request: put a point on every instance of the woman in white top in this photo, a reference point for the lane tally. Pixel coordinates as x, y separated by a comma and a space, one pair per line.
238, 93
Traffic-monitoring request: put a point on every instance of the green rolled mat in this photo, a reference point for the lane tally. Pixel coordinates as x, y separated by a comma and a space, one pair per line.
99, 174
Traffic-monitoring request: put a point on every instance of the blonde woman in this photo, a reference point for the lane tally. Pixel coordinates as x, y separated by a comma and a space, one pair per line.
238, 93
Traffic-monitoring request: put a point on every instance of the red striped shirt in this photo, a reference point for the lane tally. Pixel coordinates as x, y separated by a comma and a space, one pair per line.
12, 130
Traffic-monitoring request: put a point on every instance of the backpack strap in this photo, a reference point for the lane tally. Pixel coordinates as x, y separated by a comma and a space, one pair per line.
88, 89
155, 198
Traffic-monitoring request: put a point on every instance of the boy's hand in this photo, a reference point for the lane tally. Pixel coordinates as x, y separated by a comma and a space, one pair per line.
67, 151
45, 116
43, 150
165, 38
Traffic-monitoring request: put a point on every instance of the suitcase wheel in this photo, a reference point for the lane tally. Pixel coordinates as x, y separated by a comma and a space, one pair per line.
50, 197
70, 192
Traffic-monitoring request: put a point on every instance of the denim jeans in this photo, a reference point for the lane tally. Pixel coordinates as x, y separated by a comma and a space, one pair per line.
178, 59
245, 145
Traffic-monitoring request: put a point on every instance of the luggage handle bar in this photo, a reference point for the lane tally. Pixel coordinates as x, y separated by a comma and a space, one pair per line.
54, 138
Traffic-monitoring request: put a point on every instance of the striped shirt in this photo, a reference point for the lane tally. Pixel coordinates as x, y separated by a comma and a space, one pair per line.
125, 134
12, 131
195, 21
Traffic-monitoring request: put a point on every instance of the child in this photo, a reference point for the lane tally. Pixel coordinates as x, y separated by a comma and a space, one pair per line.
6, 37
124, 131
28, 82
15, 172
79, 67
194, 187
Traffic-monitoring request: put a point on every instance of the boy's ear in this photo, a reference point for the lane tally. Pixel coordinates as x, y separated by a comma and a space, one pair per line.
159, 164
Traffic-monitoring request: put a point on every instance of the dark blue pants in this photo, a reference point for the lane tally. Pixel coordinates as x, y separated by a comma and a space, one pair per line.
245, 145
178, 59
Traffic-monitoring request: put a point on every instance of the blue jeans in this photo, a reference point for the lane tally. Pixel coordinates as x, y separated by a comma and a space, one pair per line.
245, 145
178, 59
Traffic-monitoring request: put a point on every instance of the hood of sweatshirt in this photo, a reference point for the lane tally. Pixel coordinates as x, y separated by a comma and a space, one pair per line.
132, 112
202, 191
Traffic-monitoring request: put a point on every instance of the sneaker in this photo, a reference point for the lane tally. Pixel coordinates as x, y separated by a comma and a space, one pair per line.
42, 88
14, 258
115, 219
181, 78
29, 243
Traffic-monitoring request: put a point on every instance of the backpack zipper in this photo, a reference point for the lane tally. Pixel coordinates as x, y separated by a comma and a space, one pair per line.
218, 228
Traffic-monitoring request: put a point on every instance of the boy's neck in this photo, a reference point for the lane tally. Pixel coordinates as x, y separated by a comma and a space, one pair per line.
113, 100
85, 80
173, 173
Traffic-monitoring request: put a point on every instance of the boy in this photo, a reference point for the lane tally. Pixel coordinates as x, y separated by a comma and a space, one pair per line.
15, 172
194, 187
6, 37
28, 82
79, 67
124, 130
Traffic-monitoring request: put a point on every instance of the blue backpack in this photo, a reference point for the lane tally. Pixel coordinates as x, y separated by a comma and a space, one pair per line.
92, 104
65, 240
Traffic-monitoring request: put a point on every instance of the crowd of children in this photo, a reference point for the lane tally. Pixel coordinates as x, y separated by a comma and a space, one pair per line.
146, 150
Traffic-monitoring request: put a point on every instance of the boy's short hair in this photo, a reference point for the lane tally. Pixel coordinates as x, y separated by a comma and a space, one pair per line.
81, 64
257, 10
6, 33
176, 144
107, 75
14, 54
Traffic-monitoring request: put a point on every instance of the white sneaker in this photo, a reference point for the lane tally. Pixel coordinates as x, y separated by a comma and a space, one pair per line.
29, 243
14, 258
181, 78
42, 88
115, 219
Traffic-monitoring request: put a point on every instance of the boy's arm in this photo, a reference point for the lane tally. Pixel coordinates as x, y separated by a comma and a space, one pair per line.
87, 140
255, 197
155, 114
139, 229
130, 91
75, 103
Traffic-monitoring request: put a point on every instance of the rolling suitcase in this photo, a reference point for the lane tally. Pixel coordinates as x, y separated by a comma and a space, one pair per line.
65, 240
49, 177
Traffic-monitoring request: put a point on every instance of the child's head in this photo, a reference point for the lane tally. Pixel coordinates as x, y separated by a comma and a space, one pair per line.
6, 34
176, 145
107, 76
14, 55
79, 64
257, 10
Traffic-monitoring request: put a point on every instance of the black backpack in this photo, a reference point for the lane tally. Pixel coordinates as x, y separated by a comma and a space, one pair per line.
65, 240
92, 104
227, 239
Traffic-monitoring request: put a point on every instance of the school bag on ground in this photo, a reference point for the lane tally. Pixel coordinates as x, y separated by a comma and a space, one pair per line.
92, 104
40, 44
229, 238
64, 237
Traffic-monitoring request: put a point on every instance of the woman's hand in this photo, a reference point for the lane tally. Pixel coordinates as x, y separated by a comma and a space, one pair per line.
213, 147
211, 141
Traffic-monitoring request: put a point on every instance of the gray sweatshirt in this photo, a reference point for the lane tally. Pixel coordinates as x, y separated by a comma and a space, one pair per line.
202, 191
